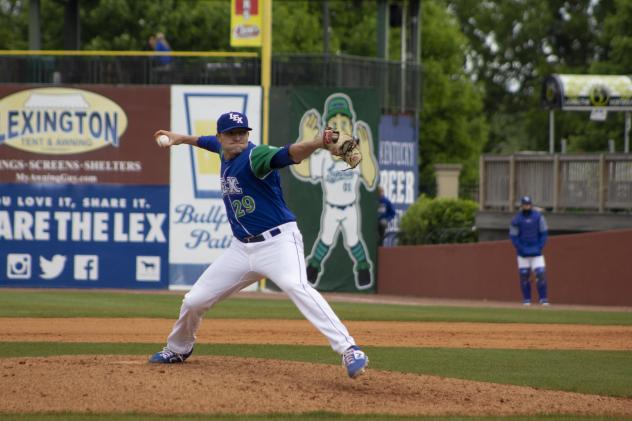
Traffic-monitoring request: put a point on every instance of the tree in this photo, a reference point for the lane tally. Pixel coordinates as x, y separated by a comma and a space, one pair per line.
439, 221
189, 25
453, 128
353, 27
297, 27
616, 40
122, 24
515, 44
13, 25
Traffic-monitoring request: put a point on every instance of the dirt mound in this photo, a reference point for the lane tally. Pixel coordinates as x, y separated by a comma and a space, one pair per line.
208, 384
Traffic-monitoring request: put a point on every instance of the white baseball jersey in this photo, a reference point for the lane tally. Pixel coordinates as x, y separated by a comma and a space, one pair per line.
340, 184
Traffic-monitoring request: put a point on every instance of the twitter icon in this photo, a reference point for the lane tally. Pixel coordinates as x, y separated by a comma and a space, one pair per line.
52, 268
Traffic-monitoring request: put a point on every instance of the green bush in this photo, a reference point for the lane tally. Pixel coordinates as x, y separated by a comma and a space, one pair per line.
438, 221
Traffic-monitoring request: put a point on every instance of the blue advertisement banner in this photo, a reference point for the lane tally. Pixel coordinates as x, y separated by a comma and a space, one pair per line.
84, 236
399, 167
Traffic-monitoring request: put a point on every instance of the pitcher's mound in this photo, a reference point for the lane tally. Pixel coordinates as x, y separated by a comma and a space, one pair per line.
214, 385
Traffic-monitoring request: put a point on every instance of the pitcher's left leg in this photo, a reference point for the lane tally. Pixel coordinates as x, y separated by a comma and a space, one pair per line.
289, 274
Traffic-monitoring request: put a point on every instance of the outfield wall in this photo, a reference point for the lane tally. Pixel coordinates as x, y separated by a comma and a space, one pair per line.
588, 269
87, 199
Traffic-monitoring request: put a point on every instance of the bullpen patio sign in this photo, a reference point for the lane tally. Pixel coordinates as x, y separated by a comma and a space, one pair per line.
60, 121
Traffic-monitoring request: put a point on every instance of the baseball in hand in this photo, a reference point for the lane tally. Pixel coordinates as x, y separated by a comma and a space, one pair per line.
163, 140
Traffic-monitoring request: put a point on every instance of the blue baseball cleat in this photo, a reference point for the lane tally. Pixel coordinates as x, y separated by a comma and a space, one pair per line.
166, 356
355, 360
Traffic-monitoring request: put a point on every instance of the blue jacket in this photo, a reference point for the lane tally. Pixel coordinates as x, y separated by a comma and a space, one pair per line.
160, 46
528, 233
385, 210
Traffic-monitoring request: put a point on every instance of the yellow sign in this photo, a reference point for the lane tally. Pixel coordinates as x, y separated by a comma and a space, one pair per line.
206, 163
60, 121
587, 92
245, 23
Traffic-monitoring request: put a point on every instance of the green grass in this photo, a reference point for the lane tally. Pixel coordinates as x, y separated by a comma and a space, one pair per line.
313, 416
594, 372
94, 303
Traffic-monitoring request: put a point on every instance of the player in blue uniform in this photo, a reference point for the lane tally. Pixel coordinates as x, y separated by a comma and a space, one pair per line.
528, 233
385, 214
267, 240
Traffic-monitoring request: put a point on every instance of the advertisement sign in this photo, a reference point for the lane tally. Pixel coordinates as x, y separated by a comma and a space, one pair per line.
83, 236
93, 135
245, 23
588, 92
336, 207
199, 229
83, 203
399, 169
60, 121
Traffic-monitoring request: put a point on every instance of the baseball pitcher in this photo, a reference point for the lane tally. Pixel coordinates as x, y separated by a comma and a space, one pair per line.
268, 242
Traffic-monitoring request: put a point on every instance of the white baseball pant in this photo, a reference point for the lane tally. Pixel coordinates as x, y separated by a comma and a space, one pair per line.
531, 262
279, 258
335, 218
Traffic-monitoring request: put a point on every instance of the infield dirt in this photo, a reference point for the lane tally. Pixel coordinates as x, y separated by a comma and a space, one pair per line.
301, 332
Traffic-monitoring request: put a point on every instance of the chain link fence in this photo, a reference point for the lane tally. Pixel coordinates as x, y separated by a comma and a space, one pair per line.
398, 84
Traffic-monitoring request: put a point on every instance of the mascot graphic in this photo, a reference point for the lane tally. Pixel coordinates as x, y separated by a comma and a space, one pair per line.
341, 188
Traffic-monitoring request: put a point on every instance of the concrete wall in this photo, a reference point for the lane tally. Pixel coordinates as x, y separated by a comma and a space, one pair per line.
588, 269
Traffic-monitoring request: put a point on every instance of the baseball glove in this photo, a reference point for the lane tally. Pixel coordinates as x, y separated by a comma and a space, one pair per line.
343, 146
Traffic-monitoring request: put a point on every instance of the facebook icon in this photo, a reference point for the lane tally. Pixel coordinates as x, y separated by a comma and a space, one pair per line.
86, 267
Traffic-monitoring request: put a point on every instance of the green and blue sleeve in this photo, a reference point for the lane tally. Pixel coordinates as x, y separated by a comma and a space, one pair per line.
265, 158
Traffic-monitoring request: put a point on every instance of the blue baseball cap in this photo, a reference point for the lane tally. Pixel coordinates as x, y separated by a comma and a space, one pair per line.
525, 200
232, 120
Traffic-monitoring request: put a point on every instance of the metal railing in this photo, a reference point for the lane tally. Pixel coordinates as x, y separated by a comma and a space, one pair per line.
117, 67
592, 182
398, 87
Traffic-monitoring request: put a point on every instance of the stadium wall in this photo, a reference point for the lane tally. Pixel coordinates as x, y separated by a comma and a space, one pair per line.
585, 269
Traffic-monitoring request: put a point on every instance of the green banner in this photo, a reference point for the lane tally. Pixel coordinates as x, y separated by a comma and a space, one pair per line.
336, 207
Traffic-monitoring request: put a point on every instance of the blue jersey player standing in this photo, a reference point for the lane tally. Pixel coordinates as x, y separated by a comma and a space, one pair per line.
385, 214
267, 241
528, 233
